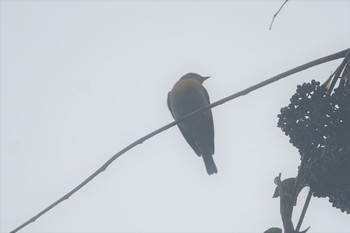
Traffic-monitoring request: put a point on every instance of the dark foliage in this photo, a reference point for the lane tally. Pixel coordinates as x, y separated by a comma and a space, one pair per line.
318, 124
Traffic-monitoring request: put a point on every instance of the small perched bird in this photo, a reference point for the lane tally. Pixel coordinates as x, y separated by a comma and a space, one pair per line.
188, 95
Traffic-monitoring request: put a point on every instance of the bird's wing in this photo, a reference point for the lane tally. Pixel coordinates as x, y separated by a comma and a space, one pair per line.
184, 132
189, 139
207, 118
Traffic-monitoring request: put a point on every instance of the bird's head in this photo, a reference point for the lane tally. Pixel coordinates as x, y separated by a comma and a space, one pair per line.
195, 76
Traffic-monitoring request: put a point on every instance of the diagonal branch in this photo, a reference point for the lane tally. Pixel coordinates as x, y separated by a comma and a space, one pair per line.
303, 212
275, 15
297, 69
338, 71
144, 138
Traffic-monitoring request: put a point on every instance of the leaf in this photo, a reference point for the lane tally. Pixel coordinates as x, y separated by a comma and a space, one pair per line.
273, 230
288, 187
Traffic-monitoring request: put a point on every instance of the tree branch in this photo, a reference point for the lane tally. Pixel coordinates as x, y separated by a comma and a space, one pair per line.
144, 138
297, 69
275, 15
338, 71
303, 212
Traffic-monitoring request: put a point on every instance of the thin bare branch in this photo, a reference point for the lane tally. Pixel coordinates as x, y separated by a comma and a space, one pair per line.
303, 212
144, 138
338, 71
297, 69
275, 15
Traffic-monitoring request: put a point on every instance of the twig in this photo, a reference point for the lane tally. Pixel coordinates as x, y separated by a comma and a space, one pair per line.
275, 15
303, 212
141, 140
338, 71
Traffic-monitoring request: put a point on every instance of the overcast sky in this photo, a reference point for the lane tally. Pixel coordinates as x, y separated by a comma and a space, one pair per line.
80, 80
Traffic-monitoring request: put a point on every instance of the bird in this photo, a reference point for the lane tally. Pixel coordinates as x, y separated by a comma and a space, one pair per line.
187, 96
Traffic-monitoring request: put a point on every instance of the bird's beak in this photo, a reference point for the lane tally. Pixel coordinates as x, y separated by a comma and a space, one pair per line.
205, 78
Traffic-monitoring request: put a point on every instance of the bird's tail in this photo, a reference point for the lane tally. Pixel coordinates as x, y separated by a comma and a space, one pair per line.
210, 164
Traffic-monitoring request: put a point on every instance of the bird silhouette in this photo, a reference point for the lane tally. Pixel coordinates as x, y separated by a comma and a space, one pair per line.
189, 95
